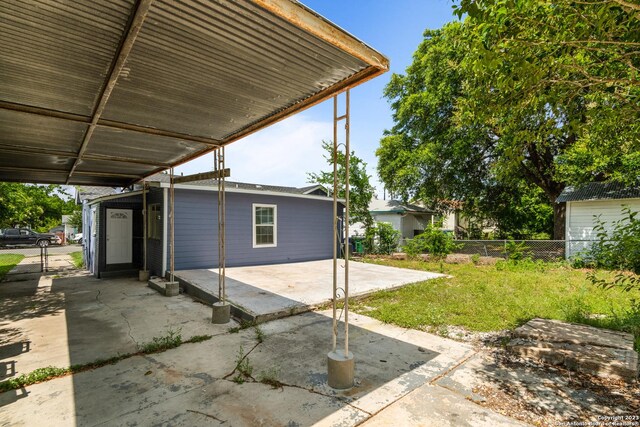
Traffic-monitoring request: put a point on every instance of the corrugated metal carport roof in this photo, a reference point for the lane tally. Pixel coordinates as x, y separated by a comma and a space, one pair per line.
109, 92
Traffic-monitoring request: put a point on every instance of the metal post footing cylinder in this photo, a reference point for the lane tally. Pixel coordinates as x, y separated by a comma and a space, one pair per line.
143, 275
171, 289
220, 313
340, 369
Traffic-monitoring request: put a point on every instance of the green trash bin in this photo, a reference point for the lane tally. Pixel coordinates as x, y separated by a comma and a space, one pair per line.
358, 245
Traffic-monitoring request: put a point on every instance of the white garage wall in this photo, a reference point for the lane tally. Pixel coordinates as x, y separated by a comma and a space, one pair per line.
393, 218
581, 220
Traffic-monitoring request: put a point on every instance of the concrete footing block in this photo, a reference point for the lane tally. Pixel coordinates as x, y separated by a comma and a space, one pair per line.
171, 289
341, 369
143, 275
168, 289
221, 313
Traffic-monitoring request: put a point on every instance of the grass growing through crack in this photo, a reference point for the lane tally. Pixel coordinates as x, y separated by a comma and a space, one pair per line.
270, 377
244, 368
259, 334
199, 338
244, 324
172, 339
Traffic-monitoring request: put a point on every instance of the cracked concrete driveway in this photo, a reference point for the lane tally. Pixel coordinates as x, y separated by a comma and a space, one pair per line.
74, 320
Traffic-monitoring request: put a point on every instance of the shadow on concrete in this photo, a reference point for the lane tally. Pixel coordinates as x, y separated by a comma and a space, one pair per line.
12, 396
8, 367
14, 349
182, 384
187, 385
24, 300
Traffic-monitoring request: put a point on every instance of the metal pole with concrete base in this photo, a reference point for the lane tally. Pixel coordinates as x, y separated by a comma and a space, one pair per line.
341, 363
172, 287
221, 310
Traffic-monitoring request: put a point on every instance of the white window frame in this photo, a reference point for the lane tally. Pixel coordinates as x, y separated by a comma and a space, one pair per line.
275, 225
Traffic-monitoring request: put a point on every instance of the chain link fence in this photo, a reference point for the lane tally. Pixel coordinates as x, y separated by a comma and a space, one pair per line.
545, 250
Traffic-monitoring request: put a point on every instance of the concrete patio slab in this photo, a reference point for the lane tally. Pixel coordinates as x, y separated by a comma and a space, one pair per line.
445, 409
193, 384
62, 321
268, 292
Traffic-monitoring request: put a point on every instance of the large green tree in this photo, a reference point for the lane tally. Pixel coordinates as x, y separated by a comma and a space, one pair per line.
497, 103
556, 53
360, 189
38, 206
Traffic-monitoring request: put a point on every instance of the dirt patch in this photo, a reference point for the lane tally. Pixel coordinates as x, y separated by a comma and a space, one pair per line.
544, 395
458, 259
535, 392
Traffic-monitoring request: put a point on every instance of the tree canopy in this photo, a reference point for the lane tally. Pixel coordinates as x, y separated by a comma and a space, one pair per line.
514, 102
360, 189
37, 206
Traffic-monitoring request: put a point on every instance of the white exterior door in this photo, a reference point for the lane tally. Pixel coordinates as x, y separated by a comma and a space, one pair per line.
119, 236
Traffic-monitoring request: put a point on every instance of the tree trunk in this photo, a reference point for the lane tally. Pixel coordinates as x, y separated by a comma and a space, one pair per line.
559, 215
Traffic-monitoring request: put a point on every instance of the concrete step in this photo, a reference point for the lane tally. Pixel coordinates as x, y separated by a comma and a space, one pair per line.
581, 348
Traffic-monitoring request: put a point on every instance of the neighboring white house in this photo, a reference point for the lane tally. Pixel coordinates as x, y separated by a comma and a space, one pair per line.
586, 203
410, 220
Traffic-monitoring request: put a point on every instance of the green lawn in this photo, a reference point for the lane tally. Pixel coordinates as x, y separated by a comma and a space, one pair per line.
489, 298
7, 262
78, 259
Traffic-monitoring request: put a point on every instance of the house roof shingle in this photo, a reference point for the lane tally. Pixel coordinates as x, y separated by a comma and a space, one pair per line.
90, 192
598, 191
380, 206
165, 178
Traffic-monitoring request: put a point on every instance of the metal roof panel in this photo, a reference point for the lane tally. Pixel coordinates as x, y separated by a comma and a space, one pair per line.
116, 91
55, 55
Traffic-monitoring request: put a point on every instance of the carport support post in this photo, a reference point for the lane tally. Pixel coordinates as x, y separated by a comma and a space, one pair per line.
221, 310
171, 288
143, 275
341, 363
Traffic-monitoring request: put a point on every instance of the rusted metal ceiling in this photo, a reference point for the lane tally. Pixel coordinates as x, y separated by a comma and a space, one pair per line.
108, 92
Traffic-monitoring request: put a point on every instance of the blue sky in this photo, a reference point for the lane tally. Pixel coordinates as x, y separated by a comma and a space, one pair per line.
284, 152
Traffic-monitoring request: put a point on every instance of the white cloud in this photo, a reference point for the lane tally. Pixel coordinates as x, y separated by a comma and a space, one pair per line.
279, 155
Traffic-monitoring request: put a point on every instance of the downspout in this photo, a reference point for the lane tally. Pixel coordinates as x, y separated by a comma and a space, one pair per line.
144, 224
165, 226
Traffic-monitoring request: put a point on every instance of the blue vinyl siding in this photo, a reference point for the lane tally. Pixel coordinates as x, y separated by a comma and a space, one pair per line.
304, 230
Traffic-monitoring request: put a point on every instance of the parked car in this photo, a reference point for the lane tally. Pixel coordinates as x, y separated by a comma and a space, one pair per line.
77, 238
26, 237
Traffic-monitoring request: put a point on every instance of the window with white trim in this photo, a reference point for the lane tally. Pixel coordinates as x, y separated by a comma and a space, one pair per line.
265, 226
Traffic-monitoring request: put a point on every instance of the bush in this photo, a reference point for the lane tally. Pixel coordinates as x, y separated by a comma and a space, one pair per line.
516, 251
382, 238
618, 250
433, 241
